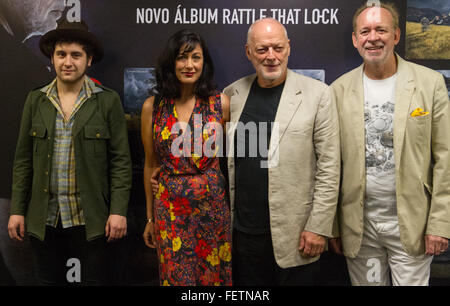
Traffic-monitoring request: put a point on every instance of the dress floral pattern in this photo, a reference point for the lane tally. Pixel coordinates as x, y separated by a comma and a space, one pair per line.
192, 216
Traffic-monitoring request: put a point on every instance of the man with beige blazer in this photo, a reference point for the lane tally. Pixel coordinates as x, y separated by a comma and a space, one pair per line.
283, 202
394, 203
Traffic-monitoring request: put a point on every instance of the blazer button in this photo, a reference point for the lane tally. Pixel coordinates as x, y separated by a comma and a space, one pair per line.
46, 172
34, 133
48, 155
45, 190
98, 135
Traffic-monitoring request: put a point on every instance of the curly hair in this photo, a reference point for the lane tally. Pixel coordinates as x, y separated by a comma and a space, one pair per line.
87, 47
167, 83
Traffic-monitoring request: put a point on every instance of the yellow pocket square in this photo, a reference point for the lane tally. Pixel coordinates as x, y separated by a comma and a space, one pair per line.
419, 112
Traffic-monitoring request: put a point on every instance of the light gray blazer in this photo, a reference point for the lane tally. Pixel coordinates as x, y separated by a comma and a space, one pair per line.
305, 158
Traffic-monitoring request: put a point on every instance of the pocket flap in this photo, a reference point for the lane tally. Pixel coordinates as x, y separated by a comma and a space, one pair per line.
96, 132
38, 131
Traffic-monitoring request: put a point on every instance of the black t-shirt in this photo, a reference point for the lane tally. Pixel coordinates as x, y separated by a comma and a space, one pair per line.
251, 180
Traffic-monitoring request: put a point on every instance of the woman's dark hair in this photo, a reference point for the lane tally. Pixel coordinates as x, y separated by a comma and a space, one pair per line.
167, 83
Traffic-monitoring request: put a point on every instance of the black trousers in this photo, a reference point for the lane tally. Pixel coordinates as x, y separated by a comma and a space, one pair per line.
51, 257
254, 264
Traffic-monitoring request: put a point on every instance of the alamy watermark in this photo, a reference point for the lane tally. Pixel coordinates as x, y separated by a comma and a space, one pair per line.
208, 140
73, 275
374, 273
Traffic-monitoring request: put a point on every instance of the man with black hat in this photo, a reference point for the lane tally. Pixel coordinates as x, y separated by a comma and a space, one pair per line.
72, 166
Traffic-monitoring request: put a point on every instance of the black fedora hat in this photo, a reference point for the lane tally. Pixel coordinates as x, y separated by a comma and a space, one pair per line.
71, 30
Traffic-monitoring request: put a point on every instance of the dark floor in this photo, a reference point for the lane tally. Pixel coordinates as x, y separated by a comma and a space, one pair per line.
134, 264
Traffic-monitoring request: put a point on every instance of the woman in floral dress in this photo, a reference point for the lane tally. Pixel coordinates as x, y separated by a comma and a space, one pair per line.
189, 216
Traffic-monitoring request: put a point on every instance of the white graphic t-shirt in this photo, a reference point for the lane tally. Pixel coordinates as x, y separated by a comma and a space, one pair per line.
379, 99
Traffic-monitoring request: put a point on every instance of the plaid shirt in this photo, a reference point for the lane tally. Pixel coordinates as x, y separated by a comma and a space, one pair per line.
64, 199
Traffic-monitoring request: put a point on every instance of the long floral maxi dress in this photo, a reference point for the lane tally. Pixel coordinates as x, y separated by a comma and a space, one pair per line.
192, 217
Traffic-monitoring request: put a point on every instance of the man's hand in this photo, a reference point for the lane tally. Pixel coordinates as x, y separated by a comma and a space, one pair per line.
116, 227
335, 244
435, 245
154, 180
311, 244
16, 227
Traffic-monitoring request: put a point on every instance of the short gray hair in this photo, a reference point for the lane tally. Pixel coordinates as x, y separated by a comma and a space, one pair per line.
390, 7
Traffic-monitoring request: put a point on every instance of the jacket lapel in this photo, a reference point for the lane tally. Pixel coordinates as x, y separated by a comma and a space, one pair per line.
237, 102
356, 105
290, 101
84, 114
404, 90
48, 113
239, 98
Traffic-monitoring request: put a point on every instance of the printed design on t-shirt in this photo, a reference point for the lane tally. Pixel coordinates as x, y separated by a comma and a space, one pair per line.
379, 138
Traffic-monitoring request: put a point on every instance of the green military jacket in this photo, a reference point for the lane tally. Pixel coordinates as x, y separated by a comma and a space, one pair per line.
102, 157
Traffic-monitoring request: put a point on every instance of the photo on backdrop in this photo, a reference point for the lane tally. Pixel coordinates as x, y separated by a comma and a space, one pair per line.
428, 29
